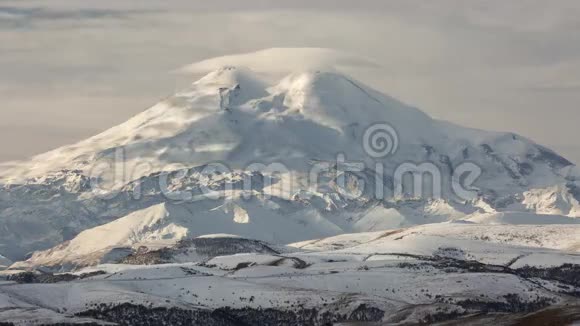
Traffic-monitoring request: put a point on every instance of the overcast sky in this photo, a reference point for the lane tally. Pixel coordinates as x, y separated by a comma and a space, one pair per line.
69, 69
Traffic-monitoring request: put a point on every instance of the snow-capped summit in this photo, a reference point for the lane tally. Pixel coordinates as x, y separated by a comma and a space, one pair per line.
236, 116
226, 115
337, 101
246, 84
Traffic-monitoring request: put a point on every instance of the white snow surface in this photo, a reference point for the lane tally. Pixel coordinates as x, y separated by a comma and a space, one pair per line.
389, 270
98, 200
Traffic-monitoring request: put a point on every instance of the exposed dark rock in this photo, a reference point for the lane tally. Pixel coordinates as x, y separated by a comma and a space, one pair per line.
205, 248
545, 155
567, 273
35, 277
525, 168
128, 314
513, 304
365, 313
446, 161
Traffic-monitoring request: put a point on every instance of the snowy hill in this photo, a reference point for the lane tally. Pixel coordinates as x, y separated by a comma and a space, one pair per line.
423, 274
161, 228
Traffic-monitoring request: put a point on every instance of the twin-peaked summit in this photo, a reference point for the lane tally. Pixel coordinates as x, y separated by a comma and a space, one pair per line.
236, 117
233, 115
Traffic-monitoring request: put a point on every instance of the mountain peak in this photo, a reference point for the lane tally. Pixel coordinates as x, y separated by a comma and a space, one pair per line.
314, 79
245, 83
229, 76
232, 115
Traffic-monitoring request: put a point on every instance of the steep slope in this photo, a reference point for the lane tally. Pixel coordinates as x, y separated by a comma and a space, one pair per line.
164, 225
227, 115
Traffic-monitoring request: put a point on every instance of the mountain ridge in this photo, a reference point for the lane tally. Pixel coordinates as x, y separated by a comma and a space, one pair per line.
233, 117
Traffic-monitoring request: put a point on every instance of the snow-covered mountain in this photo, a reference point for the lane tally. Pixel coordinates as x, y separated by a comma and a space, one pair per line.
253, 199
159, 161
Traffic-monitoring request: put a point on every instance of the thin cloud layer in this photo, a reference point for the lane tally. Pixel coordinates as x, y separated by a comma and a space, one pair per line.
284, 60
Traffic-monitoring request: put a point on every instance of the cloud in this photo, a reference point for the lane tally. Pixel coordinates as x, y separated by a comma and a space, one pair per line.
27, 17
284, 60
